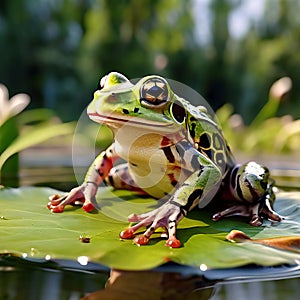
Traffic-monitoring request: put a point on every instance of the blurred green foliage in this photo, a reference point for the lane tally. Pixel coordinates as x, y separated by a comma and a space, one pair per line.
20, 130
56, 50
267, 133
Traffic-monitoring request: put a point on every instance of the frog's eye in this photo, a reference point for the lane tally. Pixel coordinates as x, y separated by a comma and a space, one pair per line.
154, 93
178, 112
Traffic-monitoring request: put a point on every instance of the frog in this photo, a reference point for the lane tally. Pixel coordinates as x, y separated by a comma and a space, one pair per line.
172, 151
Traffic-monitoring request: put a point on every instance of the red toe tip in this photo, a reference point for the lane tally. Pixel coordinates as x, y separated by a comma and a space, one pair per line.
173, 243
54, 197
141, 240
88, 207
57, 209
126, 234
216, 217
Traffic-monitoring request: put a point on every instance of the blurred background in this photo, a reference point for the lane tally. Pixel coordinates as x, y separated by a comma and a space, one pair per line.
230, 51
233, 52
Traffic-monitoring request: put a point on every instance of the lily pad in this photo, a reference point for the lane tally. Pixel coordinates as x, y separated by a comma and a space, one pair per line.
28, 229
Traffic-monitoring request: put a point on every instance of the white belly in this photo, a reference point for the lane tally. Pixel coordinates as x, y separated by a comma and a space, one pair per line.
148, 165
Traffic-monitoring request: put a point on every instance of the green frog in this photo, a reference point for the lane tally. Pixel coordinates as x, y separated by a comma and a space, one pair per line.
173, 151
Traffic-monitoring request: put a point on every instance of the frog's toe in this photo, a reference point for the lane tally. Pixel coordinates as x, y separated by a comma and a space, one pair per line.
256, 221
54, 203
249, 211
82, 195
173, 242
255, 218
56, 199
138, 218
269, 213
235, 210
57, 203
257, 214
141, 240
127, 233
88, 206
57, 208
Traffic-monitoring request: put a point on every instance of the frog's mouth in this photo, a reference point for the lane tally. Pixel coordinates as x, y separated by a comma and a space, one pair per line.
115, 121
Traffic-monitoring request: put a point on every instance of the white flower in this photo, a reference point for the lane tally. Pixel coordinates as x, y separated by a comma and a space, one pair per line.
281, 87
10, 108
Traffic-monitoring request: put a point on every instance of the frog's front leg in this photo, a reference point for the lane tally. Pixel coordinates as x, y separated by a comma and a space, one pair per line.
196, 189
86, 192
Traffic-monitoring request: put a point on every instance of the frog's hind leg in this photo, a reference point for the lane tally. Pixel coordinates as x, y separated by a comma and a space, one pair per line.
241, 210
120, 178
254, 212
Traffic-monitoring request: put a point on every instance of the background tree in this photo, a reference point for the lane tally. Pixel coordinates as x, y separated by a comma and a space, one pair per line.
57, 50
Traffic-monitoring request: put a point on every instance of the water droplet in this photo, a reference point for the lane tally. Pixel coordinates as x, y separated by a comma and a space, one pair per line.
83, 260
203, 267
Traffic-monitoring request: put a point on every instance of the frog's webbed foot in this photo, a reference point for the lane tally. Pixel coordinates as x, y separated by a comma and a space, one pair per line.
256, 212
167, 216
242, 210
82, 195
267, 212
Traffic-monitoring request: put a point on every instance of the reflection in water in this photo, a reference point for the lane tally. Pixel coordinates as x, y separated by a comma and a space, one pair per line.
36, 283
175, 286
152, 285
28, 283
267, 290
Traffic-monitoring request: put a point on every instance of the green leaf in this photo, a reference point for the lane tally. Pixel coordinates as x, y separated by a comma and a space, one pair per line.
36, 135
35, 115
8, 133
29, 229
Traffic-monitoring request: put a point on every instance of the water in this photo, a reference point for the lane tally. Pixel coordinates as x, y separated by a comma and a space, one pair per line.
287, 289
47, 284
62, 280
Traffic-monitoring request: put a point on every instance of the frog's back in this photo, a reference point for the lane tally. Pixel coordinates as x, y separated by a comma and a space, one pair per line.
208, 137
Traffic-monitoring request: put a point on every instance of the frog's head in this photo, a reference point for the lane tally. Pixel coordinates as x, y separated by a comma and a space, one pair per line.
150, 103
253, 181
